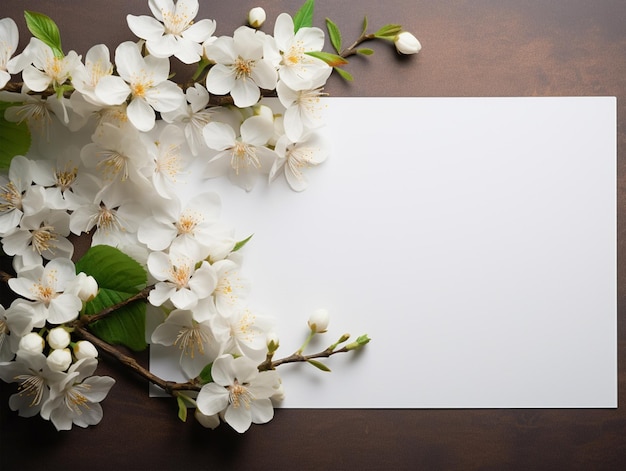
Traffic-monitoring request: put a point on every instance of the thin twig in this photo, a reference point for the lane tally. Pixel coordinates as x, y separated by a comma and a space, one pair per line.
168, 386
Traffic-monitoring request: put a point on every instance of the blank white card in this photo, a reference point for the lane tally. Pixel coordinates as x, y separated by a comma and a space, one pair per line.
473, 239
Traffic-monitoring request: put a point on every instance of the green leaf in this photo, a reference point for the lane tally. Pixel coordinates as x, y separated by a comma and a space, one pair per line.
334, 34
15, 138
304, 16
344, 74
239, 245
365, 51
364, 29
205, 375
319, 365
389, 31
43, 28
331, 59
119, 277
182, 408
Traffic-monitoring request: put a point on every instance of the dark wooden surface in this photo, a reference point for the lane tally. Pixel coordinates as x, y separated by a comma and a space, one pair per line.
471, 48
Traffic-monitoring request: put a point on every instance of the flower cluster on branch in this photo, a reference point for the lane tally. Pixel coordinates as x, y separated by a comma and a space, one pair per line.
99, 147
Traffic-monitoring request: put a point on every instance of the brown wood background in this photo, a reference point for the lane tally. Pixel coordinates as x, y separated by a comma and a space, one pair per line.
471, 48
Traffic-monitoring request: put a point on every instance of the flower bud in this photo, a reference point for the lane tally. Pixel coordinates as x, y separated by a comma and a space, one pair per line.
207, 421
59, 359
272, 342
85, 349
256, 17
406, 43
58, 338
32, 342
85, 287
318, 322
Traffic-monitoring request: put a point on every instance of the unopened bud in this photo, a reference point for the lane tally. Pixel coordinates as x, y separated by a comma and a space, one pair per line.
256, 17
85, 287
58, 338
32, 342
318, 322
59, 359
207, 421
358, 343
272, 342
406, 43
85, 349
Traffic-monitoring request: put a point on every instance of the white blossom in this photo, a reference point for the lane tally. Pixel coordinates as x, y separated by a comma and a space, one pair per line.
196, 341
240, 68
181, 278
9, 38
145, 80
45, 287
75, 397
173, 31
242, 158
407, 43
240, 392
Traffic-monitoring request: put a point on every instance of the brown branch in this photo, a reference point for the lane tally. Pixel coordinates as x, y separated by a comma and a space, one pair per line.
140, 296
170, 387
268, 364
352, 50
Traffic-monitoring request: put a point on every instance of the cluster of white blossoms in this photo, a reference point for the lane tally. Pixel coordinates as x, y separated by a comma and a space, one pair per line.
113, 140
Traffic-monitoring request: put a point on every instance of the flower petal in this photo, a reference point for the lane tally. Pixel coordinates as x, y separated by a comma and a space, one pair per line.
212, 399
145, 27
141, 114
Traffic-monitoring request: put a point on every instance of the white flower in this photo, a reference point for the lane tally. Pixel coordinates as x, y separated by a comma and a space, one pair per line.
12, 191
58, 337
196, 341
85, 287
303, 109
22, 318
175, 33
241, 158
75, 398
193, 116
248, 332
318, 321
9, 38
59, 359
240, 68
117, 154
40, 235
191, 224
36, 111
45, 286
33, 375
145, 80
240, 391
295, 158
406, 43
86, 77
179, 280
65, 179
170, 158
256, 17
297, 69
47, 69
32, 342
85, 349
114, 217
231, 287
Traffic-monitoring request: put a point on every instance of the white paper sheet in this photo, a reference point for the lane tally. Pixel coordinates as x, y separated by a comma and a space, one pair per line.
473, 239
